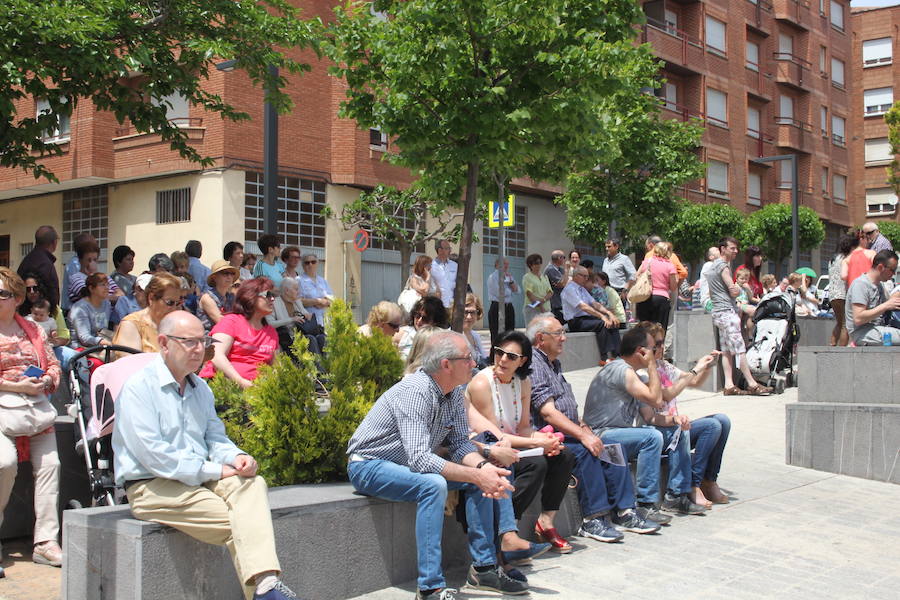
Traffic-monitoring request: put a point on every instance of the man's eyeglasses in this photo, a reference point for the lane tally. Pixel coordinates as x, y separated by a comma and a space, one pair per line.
268, 295
171, 303
467, 357
560, 332
6, 294
294, 256
868, 233
192, 343
310, 262
471, 312
500, 353
394, 326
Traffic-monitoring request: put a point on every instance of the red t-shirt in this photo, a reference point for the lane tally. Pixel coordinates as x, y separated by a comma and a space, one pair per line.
250, 348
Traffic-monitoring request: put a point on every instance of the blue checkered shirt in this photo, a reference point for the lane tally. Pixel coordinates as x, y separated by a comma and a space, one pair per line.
412, 420
548, 384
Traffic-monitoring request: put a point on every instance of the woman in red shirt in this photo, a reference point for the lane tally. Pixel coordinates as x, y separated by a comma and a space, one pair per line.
245, 339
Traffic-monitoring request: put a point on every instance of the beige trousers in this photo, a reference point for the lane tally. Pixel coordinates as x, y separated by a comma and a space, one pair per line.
45, 466
233, 512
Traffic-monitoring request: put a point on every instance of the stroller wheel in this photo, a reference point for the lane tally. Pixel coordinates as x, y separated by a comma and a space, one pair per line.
779, 386
73, 505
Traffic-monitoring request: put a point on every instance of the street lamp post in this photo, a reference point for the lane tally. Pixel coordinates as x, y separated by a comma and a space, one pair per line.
270, 151
795, 204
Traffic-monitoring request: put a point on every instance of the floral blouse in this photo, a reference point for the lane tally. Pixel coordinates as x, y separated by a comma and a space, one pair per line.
17, 353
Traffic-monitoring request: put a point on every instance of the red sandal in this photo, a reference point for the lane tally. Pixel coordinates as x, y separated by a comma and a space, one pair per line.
552, 537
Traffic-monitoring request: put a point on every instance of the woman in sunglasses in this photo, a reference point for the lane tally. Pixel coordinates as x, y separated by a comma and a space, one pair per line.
499, 400
138, 330
387, 317
245, 338
426, 311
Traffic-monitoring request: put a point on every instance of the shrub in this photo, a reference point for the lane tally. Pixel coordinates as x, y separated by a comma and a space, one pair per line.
231, 406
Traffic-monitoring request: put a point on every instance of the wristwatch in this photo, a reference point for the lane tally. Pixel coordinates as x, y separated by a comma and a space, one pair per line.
486, 451
694, 372
482, 463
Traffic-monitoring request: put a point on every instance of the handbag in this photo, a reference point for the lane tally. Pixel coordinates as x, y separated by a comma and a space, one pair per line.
407, 299
21, 414
642, 288
311, 326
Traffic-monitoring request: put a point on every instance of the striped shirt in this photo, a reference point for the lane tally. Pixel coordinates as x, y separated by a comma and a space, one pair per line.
548, 384
410, 421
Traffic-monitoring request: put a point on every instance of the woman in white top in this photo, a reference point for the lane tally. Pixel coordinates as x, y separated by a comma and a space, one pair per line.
474, 312
499, 400
290, 314
421, 279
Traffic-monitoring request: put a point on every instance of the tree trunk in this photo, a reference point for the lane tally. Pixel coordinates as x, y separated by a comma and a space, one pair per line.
465, 245
405, 254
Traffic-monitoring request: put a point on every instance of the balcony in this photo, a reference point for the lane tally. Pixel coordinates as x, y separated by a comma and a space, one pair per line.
759, 144
795, 12
794, 134
684, 53
791, 70
673, 110
181, 122
757, 13
758, 83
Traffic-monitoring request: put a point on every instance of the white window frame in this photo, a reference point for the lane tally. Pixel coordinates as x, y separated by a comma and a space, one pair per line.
785, 110
754, 122
62, 132
713, 25
877, 52
713, 115
754, 189
785, 174
839, 188
881, 202
824, 181
717, 178
838, 130
376, 133
823, 120
878, 151
838, 72
836, 15
877, 101
752, 56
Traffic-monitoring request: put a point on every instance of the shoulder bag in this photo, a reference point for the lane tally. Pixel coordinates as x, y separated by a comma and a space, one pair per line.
643, 286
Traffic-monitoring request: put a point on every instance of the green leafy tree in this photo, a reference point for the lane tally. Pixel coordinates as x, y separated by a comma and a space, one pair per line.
408, 218
126, 58
770, 229
890, 230
634, 190
695, 227
893, 120
472, 88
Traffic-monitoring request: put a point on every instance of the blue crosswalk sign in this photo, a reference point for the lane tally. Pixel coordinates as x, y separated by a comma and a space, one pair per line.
502, 212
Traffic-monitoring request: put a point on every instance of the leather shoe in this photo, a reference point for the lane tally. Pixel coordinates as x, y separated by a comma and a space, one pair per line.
523, 557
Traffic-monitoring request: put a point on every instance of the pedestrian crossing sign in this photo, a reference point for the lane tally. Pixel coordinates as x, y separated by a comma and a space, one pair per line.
502, 212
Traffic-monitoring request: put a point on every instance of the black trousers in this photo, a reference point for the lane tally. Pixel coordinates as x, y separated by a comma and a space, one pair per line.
655, 309
547, 474
597, 326
494, 320
558, 313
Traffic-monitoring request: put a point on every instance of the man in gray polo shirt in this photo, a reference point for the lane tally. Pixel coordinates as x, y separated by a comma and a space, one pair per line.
868, 304
618, 267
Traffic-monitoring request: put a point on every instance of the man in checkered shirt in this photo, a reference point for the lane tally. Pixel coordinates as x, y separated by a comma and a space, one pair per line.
394, 455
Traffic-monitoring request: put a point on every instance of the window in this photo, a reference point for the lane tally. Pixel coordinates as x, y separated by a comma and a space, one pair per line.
173, 206
515, 236
407, 222
877, 52
837, 72
716, 107
670, 93
377, 140
671, 18
60, 130
822, 4
177, 107
837, 130
717, 178
85, 210
823, 60
823, 121
753, 127
839, 188
752, 56
785, 174
715, 35
825, 181
25, 249
878, 150
754, 189
785, 110
300, 204
878, 101
880, 201
785, 47
837, 15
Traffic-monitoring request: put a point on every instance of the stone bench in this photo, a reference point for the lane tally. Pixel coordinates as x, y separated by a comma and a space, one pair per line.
847, 419
323, 532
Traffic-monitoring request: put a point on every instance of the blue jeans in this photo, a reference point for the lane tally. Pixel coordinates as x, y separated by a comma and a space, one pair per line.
601, 486
648, 443
708, 438
391, 481
63, 355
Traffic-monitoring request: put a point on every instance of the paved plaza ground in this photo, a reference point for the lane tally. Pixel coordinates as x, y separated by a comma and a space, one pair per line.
789, 533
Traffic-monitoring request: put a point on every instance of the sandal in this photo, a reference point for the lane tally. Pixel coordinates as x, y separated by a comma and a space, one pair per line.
759, 390
558, 542
734, 391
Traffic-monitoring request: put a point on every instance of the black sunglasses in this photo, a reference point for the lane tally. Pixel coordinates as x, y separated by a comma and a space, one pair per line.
31, 288
171, 303
500, 353
310, 262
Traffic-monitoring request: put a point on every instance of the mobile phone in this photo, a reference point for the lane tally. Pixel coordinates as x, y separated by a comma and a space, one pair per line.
33, 371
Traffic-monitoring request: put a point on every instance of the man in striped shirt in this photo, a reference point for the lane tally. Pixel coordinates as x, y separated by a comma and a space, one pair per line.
394, 454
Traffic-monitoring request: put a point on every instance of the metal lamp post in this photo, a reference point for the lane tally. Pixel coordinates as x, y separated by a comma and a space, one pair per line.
270, 152
795, 203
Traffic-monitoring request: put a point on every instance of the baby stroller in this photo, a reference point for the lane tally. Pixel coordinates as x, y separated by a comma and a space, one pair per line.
93, 410
771, 355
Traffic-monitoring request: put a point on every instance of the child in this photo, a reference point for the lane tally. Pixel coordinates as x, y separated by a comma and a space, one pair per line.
768, 283
40, 315
746, 310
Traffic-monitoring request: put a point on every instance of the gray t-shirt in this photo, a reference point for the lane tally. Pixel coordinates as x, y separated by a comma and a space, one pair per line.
863, 291
718, 291
608, 404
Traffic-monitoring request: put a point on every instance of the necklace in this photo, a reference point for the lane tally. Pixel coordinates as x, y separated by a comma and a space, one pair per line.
515, 384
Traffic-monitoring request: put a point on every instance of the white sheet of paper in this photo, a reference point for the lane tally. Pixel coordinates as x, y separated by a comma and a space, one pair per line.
612, 454
531, 452
674, 443
535, 304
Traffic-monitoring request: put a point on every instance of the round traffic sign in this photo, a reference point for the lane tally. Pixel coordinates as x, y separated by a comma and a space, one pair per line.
361, 240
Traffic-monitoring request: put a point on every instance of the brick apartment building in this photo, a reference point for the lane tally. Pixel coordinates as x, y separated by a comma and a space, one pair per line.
875, 76
768, 78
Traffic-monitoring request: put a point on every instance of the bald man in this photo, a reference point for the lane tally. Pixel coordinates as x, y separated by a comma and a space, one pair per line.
877, 241
180, 469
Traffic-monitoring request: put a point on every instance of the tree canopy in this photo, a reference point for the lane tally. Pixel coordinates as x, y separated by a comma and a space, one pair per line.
890, 230
770, 229
696, 227
893, 120
473, 89
127, 58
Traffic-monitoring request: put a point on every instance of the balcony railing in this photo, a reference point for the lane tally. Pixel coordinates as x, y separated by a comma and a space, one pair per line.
760, 140
185, 122
790, 68
687, 41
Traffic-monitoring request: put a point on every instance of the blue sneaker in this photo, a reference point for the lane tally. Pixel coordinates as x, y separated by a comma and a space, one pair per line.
523, 557
600, 529
279, 592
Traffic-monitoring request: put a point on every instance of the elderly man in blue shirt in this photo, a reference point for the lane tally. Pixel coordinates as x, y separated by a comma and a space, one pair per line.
180, 469
583, 313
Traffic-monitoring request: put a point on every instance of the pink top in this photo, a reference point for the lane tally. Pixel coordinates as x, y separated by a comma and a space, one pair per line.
660, 270
251, 347
858, 262
17, 353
